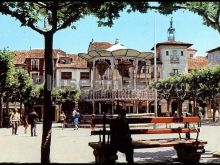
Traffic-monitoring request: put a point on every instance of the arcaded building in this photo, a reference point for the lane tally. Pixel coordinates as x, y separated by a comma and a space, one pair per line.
118, 77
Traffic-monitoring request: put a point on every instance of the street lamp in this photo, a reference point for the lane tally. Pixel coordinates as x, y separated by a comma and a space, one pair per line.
155, 66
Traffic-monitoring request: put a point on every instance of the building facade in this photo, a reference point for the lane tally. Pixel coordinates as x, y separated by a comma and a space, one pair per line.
214, 56
111, 75
118, 77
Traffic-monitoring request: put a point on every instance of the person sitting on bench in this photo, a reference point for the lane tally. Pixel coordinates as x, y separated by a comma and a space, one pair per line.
121, 137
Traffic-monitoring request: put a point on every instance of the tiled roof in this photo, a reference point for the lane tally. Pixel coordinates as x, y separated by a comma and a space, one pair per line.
191, 49
19, 58
39, 53
100, 45
212, 50
76, 62
197, 62
177, 43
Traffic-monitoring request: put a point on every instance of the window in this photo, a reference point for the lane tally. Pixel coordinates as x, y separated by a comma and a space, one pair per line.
181, 53
167, 53
84, 75
147, 68
66, 75
34, 64
175, 71
65, 61
35, 77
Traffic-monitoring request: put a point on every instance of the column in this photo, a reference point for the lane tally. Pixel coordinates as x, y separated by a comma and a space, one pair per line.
100, 108
93, 93
147, 105
112, 87
42, 112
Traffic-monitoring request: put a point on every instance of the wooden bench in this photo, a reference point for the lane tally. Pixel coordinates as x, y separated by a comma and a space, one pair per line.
188, 149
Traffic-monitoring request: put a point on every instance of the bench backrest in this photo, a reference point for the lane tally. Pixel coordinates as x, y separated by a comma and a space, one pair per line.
145, 120
104, 121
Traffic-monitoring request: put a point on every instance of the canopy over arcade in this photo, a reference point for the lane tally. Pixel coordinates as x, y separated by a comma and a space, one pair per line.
119, 77
116, 53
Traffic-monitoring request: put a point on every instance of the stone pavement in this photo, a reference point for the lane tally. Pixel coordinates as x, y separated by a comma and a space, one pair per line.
71, 146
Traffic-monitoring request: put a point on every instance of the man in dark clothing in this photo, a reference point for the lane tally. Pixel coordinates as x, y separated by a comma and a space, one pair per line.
121, 137
32, 120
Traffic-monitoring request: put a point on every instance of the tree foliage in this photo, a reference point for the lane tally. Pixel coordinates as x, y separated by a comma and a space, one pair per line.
6, 77
23, 86
197, 86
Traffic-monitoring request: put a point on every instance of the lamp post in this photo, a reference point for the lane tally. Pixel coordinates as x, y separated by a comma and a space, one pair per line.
155, 67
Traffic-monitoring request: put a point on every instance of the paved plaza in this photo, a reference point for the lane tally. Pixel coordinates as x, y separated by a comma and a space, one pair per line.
71, 146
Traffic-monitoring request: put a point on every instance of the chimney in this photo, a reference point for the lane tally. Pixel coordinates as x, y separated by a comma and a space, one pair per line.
116, 40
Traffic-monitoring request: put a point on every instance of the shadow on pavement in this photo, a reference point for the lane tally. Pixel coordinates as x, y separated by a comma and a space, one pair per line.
215, 161
156, 157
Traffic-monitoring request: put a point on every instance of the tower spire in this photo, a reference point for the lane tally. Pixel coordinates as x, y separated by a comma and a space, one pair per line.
170, 31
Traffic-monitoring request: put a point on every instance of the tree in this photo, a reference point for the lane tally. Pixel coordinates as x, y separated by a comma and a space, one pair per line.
23, 86
210, 85
66, 94
5, 76
165, 90
58, 15
209, 11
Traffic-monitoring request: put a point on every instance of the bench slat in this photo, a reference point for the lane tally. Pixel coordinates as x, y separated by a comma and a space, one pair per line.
166, 143
151, 143
150, 131
152, 120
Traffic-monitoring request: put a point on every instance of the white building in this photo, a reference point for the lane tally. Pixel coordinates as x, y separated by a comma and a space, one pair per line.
71, 70
214, 56
172, 56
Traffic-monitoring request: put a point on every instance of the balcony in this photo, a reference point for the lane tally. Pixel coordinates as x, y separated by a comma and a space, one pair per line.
173, 74
127, 95
84, 83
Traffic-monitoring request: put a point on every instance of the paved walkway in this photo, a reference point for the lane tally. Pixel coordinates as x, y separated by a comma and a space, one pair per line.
69, 146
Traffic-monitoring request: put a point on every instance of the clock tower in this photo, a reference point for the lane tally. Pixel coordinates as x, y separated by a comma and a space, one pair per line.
171, 31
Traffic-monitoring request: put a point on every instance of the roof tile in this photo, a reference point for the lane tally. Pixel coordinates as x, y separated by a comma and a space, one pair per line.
100, 45
197, 62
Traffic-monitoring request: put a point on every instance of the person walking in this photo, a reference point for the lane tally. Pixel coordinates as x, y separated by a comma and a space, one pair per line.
199, 113
62, 119
32, 120
76, 119
14, 119
121, 137
25, 123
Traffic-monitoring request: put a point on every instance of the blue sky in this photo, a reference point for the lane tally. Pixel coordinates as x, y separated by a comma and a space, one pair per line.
135, 31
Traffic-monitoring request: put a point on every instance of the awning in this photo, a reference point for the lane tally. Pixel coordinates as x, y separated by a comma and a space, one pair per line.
116, 53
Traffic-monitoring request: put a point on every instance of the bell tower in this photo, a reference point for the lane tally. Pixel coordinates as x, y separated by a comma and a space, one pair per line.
171, 31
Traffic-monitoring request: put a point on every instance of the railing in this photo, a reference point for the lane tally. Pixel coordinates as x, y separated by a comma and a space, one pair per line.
120, 95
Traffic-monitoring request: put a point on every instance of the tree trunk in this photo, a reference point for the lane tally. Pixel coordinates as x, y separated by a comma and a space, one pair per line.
180, 113
168, 106
21, 111
214, 108
47, 120
1, 112
194, 107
